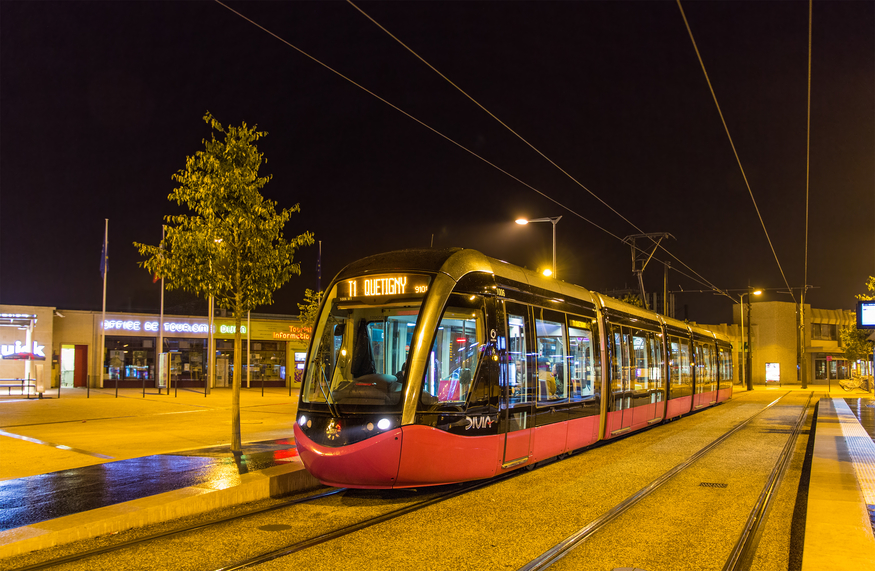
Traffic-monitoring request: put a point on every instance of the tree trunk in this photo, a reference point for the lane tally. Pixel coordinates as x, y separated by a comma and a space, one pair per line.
236, 441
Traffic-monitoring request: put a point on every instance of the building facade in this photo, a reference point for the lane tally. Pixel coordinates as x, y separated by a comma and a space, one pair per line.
273, 349
777, 354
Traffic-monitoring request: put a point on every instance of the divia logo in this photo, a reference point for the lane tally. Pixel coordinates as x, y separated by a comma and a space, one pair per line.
333, 430
478, 422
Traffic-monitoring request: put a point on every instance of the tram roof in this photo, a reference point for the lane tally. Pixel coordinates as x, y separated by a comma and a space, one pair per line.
457, 262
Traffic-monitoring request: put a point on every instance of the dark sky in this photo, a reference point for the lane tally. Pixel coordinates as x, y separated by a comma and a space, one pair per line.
101, 102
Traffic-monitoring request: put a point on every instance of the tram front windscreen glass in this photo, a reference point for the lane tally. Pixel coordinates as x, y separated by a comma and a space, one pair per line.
359, 355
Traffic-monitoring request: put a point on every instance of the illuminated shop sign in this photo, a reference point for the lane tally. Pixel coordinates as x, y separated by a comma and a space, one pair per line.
385, 286
231, 329
19, 347
294, 334
153, 326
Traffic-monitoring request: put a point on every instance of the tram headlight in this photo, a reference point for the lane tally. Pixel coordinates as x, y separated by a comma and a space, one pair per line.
302, 421
384, 424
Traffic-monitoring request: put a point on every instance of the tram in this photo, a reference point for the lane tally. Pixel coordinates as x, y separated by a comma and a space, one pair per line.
430, 367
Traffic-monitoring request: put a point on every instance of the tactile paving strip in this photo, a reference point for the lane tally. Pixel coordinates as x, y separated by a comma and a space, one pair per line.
861, 448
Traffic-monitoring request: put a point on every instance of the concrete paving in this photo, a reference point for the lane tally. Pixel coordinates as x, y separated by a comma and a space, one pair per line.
132, 460
90, 463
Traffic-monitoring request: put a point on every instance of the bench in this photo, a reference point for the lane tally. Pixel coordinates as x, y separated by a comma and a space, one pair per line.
21, 384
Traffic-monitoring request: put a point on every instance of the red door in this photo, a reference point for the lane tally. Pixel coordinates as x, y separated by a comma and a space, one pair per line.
80, 366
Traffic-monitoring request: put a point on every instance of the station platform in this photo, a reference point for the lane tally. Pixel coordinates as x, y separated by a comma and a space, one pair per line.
91, 464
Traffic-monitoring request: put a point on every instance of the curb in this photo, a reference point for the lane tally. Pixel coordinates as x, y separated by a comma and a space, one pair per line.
271, 482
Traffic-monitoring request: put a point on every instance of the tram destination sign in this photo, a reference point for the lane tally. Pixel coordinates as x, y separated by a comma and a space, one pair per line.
385, 286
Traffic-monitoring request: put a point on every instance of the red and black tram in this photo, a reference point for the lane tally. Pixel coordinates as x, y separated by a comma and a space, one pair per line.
429, 367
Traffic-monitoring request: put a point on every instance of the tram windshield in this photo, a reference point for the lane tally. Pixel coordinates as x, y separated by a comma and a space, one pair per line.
359, 354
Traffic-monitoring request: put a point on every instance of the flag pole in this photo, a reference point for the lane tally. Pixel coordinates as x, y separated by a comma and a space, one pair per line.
103, 268
161, 330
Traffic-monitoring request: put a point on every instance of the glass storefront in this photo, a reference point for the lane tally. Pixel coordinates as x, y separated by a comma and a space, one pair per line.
267, 358
830, 369
188, 358
131, 352
129, 360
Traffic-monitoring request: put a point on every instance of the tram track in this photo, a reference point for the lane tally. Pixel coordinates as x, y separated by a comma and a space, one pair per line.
84, 559
350, 511
744, 549
347, 530
95, 552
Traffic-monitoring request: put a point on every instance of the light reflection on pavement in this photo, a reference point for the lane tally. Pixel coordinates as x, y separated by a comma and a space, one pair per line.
39, 498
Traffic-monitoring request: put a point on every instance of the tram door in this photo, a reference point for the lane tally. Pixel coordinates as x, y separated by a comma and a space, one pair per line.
515, 378
622, 381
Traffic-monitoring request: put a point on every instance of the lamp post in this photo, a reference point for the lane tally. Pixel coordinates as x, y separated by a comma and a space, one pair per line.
745, 370
553, 220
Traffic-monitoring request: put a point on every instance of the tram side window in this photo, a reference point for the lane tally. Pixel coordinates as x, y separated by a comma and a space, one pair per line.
726, 378
516, 353
622, 362
681, 377
657, 364
452, 362
582, 371
641, 360
552, 376
703, 368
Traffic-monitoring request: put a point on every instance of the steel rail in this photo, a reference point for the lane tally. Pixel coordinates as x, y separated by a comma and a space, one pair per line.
742, 554
568, 544
344, 531
170, 533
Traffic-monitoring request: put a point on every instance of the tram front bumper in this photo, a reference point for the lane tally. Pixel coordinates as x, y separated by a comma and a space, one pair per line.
371, 463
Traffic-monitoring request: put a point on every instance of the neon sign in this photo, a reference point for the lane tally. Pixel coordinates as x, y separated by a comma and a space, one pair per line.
153, 326
294, 334
19, 347
169, 326
231, 329
386, 286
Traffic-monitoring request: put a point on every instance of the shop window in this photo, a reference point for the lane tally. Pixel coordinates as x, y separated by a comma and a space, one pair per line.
268, 361
129, 358
186, 358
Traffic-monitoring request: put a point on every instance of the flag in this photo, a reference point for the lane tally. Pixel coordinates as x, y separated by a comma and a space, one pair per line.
103, 258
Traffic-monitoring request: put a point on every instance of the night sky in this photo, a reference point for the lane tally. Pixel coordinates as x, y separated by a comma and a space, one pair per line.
101, 102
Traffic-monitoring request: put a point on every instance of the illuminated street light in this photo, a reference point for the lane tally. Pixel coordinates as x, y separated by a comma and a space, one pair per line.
553, 220
745, 370
547, 272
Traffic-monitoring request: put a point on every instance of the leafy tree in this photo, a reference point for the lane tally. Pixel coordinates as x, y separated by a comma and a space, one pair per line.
855, 343
231, 245
310, 307
632, 299
870, 285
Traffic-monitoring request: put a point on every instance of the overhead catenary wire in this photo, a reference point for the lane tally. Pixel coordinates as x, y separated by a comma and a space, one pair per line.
531, 146
732, 144
702, 281
807, 155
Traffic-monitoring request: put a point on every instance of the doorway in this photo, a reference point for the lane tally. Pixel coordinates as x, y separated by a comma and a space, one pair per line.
74, 365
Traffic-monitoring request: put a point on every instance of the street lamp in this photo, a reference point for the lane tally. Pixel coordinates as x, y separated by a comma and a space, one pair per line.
745, 370
553, 220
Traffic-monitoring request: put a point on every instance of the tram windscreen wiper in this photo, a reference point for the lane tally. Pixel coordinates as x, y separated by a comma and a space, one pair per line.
328, 397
